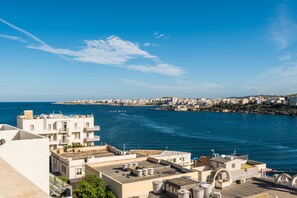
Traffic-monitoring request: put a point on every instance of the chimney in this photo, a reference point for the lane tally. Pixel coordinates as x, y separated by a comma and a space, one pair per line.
28, 114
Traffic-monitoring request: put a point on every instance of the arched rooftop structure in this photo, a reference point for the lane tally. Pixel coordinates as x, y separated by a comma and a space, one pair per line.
219, 182
283, 178
294, 181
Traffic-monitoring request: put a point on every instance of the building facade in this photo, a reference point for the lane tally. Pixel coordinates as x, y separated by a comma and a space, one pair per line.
61, 130
71, 163
26, 153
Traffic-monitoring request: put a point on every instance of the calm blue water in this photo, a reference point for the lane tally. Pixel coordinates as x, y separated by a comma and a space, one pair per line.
268, 138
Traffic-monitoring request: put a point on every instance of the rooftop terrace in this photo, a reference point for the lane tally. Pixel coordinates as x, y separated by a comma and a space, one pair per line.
88, 152
257, 186
116, 171
14, 184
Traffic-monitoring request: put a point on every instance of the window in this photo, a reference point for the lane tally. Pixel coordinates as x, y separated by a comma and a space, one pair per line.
174, 159
87, 124
63, 169
49, 127
233, 165
75, 125
78, 171
32, 127
64, 126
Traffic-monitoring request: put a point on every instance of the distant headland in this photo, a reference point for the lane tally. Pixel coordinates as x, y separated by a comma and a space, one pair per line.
259, 104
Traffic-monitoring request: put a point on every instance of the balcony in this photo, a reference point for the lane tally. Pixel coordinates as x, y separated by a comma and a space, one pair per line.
65, 141
92, 139
53, 142
66, 130
76, 140
94, 128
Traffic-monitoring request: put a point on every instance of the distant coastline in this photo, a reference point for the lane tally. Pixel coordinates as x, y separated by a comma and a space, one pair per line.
274, 105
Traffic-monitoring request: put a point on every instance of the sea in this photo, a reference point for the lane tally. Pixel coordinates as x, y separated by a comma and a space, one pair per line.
267, 138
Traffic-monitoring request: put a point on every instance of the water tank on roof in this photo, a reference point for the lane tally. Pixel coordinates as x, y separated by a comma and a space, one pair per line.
208, 190
125, 166
216, 195
183, 193
130, 165
135, 164
139, 172
198, 192
151, 171
145, 171
223, 156
157, 187
229, 157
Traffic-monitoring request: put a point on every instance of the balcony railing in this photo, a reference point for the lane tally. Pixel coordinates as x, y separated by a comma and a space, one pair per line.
94, 128
57, 186
92, 139
51, 142
66, 130
65, 141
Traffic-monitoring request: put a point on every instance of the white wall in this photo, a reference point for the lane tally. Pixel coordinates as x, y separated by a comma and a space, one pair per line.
30, 158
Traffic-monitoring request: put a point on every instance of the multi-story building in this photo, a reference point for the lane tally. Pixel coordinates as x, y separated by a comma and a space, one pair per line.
61, 130
24, 163
293, 101
135, 177
222, 170
71, 162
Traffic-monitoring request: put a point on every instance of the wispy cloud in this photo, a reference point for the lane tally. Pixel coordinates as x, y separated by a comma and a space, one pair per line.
151, 45
14, 38
35, 38
159, 35
287, 57
112, 51
283, 29
276, 80
24, 32
162, 68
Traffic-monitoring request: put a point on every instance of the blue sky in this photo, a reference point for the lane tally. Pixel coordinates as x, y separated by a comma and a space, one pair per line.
64, 50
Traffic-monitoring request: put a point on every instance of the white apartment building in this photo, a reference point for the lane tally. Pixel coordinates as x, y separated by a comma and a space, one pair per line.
293, 101
61, 130
24, 163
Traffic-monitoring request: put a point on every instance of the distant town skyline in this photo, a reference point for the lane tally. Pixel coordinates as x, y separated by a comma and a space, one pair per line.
65, 50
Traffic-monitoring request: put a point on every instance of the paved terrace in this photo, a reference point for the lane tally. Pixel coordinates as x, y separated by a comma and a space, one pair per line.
14, 184
257, 186
81, 153
117, 173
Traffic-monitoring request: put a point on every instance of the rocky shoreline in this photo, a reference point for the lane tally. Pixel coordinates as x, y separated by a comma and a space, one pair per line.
275, 109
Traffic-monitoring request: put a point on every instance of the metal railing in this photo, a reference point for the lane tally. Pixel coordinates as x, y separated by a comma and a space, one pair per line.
57, 186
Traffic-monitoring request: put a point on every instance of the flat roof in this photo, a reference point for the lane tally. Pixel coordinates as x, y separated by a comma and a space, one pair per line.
157, 152
257, 186
57, 116
14, 184
168, 153
181, 181
116, 172
220, 160
83, 152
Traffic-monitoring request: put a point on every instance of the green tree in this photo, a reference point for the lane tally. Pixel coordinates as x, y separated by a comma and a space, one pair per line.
92, 187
